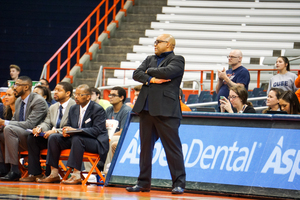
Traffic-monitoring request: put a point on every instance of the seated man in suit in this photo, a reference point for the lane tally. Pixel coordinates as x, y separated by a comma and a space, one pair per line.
30, 110
57, 118
88, 119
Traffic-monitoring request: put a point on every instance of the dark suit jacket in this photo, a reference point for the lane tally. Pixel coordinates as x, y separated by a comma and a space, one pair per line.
93, 125
163, 99
36, 111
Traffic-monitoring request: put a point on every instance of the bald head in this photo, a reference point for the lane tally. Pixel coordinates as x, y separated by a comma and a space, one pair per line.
235, 59
170, 39
164, 43
237, 52
85, 88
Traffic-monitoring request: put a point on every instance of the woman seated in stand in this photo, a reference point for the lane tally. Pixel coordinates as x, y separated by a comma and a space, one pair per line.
273, 100
237, 101
288, 102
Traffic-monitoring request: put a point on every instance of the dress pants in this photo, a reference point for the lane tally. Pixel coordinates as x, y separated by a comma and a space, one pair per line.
4, 168
35, 145
15, 140
2, 146
165, 128
77, 144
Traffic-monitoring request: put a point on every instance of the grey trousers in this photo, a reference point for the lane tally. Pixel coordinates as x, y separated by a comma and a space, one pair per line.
15, 140
2, 150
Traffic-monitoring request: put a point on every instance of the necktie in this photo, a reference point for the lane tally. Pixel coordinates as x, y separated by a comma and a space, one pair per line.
80, 118
59, 116
21, 116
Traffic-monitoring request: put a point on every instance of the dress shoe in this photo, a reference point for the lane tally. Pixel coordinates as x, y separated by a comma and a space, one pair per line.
177, 190
2, 174
31, 178
137, 188
48, 179
11, 176
72, 181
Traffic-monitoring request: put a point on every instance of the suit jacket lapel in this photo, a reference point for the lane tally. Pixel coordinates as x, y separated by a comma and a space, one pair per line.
31, 96
87, 114
17, 111
76, 115
54, 115
64, 118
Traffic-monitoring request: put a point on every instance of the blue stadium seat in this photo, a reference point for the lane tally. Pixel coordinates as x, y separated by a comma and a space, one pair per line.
214, 96
193, 98
207, 98
202, 94
256, 91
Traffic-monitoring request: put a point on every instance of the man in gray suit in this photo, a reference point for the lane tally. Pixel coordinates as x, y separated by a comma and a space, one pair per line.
30, 110
56, 119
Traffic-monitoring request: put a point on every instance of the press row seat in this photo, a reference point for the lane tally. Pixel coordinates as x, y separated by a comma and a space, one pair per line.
225, 44
201, 35
229, 19
225, 28
204, 51
228, 11
233, 4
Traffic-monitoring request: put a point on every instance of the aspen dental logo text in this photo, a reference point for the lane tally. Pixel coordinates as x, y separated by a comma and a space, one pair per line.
234, 157
283, 162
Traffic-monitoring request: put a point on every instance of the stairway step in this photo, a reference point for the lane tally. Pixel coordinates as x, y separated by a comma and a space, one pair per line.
135, 26
153, 2
96, 65
90, 74
111, 57
118, 49
89, 81
140, 17
129, 34
123, 41
146, 9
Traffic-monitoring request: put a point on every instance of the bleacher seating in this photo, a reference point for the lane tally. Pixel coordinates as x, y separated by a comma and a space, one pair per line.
206, 31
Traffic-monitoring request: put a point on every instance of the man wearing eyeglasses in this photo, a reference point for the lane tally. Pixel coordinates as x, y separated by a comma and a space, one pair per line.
235, 75
159, 110
87, 122
118, 111
30, 110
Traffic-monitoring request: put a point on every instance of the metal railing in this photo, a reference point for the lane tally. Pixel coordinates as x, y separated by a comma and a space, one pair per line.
109, 10
201, 78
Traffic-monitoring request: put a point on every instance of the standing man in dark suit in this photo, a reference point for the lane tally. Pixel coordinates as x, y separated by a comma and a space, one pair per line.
56, 119
158, 106
89, 119
30, 110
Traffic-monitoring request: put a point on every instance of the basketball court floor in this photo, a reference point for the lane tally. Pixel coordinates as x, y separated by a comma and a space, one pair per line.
32, 191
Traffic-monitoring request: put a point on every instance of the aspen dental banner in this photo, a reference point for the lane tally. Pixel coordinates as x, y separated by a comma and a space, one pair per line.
222, 155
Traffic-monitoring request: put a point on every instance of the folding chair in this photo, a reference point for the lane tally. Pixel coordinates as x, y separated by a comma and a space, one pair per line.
93, 158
